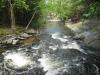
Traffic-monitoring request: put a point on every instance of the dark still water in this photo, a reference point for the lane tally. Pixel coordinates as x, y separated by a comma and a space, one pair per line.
55, 54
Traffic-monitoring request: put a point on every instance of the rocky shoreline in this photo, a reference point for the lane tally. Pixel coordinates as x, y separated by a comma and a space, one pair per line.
87, 31
25, 38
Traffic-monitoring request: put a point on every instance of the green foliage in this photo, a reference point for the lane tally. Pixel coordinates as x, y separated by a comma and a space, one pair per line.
69, 7
33, 4
93, 10
21, 4
2, 4
24, 9
58, 8
28, 5
39, 23
62, 8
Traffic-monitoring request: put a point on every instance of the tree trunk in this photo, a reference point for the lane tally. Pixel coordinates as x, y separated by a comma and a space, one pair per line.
30, 20
12, 17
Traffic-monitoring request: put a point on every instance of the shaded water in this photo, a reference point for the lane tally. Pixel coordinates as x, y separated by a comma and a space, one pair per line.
55, 54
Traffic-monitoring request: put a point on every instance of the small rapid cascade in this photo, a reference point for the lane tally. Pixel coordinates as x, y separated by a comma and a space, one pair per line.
64, 56
20, 62
55, 54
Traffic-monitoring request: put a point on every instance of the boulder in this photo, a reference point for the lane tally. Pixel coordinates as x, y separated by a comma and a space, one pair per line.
15, 41
87, 31
22, 39
8, 39
31, 31
25, 35
93, 40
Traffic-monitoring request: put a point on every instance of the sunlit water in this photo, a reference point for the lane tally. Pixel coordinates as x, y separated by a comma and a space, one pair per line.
55, 54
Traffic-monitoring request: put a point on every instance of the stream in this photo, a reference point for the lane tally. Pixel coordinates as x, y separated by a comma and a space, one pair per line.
57, 53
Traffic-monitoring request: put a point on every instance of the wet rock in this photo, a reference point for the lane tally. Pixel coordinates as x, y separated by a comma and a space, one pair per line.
15, 41
88, 32
29, 40
81, 36
25, 35
1, 51
90, 39
93, 41
31, 31
22, 39
8, 39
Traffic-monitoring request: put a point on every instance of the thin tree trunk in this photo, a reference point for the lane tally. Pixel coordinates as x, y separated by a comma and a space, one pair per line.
30, 20
12, 17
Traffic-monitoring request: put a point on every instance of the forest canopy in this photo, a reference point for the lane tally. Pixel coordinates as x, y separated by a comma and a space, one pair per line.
63, 9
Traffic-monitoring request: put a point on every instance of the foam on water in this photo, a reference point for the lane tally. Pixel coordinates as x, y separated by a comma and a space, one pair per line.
53, 47
57, 35
71, 44
56, 54
17, 60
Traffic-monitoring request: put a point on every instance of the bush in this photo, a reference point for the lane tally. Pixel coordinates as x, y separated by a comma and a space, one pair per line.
93, 10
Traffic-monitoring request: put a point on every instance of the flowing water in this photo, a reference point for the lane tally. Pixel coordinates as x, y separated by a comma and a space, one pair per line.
55, 54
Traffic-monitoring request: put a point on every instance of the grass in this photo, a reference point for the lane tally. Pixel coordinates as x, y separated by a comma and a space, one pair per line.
8, 31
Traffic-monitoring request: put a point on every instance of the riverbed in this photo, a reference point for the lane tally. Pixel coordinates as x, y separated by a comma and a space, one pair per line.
56, 53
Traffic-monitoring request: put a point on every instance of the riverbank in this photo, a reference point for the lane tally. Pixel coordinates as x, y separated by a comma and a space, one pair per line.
88, 31
8, 31
20, 37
